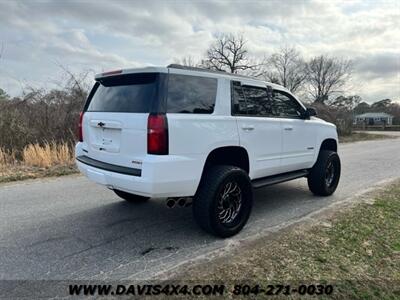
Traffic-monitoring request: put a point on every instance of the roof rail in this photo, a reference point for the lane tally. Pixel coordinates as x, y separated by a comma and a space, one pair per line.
177, 66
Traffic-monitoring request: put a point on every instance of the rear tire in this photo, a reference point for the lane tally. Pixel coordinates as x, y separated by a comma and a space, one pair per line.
223, 201
131, 197
325, 174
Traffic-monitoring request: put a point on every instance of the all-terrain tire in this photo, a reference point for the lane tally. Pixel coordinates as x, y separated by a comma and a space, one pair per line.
131, 197
322, 179
222, 188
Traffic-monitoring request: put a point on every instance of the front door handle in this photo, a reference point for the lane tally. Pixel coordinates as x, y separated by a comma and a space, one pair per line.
289, 128
248, 128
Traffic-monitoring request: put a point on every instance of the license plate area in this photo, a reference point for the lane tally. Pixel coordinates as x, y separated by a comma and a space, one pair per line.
106, 135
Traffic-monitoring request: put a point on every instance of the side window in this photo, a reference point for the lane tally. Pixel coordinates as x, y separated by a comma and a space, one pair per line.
191, 94
257, 100
251, 101
285, 106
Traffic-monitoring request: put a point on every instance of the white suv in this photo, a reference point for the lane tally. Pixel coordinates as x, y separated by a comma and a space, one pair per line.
189, 132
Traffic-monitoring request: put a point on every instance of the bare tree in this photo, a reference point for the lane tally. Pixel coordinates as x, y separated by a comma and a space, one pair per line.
76, 82
286, 67
327, 76
229, 53
188, 61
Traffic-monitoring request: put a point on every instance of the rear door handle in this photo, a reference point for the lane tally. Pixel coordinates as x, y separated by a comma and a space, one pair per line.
248, 128
288, 128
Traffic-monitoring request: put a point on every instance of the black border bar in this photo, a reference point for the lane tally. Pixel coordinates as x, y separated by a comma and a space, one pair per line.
108, 167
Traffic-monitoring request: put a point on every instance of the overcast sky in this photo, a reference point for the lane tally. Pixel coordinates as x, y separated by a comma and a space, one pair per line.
37, 36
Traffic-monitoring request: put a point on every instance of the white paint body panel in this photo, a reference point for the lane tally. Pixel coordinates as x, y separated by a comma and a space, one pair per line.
272, 149
262, 139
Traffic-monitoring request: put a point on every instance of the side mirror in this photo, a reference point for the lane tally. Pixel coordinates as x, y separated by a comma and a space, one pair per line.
310, 112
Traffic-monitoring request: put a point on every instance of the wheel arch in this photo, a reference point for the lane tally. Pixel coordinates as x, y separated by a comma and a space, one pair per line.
329, 144
228, 155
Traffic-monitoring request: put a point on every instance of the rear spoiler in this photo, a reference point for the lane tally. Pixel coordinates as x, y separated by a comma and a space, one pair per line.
120, 72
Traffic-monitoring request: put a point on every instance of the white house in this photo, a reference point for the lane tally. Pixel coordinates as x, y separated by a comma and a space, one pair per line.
373, 118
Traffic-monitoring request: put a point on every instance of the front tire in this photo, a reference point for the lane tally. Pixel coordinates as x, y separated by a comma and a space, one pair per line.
132, 198
223, 201
325, 174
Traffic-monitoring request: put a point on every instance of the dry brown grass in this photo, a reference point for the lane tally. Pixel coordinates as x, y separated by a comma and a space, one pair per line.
50, 154
35, 161
7, 158
35, 155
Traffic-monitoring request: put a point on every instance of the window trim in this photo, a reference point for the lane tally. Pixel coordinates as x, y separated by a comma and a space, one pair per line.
245, 98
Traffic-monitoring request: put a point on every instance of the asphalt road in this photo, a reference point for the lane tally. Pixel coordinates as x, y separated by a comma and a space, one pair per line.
70, 228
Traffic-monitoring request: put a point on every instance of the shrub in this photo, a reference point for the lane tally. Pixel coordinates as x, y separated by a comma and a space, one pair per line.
40, 116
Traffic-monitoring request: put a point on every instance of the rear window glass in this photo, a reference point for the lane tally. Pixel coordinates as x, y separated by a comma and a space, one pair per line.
126, 93
191, 94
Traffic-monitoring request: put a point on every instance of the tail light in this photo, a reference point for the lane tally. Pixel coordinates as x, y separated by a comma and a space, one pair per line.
157, 134
80, 131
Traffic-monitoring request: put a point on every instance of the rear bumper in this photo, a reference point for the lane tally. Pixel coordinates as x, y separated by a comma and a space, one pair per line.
161, 176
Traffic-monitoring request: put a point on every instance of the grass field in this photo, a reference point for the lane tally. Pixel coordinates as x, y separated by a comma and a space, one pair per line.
358, 251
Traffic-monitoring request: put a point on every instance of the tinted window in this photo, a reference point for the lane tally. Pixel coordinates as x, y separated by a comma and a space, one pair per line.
191, 94
239, 102
251, 100
125, 93
285, 106
257, 100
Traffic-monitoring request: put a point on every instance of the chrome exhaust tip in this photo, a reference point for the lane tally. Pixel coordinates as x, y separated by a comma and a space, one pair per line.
171, 202
185, 202
182, 202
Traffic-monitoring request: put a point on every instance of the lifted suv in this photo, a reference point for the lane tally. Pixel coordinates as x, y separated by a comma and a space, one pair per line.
189, 132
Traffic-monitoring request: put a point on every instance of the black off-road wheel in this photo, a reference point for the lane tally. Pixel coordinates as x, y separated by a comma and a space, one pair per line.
325, 174
131, 197
223, 201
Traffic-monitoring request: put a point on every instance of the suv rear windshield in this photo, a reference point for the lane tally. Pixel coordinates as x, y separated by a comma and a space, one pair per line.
133, 93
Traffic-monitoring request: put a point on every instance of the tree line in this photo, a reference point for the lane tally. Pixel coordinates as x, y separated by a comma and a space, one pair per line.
40, 116
321, 77
322, 80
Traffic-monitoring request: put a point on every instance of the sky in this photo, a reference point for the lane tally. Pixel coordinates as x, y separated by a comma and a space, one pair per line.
36, 37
